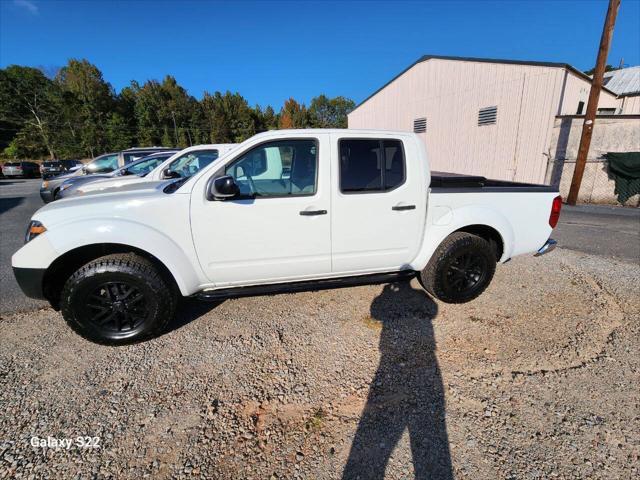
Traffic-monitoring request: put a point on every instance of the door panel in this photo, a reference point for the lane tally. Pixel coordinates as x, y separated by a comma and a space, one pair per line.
378, 213
265, 236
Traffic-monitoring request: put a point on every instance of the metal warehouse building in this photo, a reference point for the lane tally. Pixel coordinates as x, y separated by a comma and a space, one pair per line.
482, 116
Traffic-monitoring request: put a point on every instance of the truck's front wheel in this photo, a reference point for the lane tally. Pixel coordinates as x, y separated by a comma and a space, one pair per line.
460, 269
118, 299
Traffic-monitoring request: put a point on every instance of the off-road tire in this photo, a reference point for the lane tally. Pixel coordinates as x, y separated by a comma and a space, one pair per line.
123, 289
438, 276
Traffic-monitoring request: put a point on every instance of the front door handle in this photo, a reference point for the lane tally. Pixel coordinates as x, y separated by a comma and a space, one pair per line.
309, 213
403, 207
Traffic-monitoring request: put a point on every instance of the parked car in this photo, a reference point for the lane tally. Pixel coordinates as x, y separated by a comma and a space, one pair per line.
183, 163
57, 167
21, 169
103, 164
358, 207
50, 169
137, 169
71, 165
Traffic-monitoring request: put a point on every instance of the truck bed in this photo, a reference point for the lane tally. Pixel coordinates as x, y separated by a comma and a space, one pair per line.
455, 182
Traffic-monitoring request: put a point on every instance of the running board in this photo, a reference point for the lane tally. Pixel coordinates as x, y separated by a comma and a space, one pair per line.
305, 286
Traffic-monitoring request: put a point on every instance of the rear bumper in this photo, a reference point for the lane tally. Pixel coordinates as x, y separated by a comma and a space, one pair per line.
30, 281
547, 247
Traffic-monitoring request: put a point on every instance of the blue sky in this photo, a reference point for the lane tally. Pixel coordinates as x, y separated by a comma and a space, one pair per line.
269, 51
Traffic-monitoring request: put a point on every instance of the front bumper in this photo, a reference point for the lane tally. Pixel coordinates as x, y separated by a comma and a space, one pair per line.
547, 247
46, 195
30, 281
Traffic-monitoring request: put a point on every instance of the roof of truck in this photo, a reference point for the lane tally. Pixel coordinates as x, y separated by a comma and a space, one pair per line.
315, 131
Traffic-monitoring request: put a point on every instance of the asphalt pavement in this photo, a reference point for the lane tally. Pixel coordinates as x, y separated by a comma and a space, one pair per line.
600, 230
19, 199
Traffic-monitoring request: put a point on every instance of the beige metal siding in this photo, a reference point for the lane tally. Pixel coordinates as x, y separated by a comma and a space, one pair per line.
449, 93
577, 90
629, 105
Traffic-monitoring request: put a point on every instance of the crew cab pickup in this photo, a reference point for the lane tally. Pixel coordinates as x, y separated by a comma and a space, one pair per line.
286, 210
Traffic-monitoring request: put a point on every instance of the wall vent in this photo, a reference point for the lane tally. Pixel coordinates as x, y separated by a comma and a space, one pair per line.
487, 116
420, 125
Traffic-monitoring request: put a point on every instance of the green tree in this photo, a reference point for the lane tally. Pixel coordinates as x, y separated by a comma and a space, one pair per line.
229, 117
327, 112
270, 119
29, 109
118, 132
607, 68
95, 99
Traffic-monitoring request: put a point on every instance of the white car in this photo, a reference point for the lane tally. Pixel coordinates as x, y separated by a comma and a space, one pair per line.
287, 210
181, 164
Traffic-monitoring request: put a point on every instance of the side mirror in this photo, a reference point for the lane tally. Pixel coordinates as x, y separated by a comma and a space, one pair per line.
168, 173
223, 188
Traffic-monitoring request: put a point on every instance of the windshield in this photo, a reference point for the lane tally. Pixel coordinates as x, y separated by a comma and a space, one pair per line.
145, 166
103, 164
190, 163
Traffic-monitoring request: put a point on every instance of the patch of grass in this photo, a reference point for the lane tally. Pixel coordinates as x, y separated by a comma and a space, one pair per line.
316, 420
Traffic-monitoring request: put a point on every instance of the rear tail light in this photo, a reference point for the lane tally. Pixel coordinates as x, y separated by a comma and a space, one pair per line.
555, 211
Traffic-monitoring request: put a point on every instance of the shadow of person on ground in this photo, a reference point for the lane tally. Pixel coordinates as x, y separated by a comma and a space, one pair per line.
406, 392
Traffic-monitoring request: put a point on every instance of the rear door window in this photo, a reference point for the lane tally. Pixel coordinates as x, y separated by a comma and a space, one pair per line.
371, 165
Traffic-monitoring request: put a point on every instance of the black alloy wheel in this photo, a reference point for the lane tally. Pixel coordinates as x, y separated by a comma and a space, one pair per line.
466, 272
117, 307
119, 299
460, 269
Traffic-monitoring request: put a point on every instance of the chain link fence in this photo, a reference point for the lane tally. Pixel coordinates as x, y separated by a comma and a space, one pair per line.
599, 184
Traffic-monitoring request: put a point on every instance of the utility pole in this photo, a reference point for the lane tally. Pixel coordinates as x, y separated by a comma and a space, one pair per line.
592, 105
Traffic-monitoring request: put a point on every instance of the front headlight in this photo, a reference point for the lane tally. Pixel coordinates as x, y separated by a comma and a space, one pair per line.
35, 228
45, 184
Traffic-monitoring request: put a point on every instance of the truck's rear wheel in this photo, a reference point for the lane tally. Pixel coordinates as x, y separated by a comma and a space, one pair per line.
460, 269
118, 299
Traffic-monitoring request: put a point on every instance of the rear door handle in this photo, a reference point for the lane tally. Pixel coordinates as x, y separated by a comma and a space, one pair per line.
403, 207
308, 213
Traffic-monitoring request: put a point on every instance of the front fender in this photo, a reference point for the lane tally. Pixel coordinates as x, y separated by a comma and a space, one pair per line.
179, 259
443, 220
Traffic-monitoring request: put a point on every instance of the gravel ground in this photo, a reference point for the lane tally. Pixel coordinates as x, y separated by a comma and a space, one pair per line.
538, 378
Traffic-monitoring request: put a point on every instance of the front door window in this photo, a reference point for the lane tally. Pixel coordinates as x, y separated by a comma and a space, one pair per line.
277, 169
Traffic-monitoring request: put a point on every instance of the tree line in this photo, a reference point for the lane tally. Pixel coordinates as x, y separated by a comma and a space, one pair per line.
75, 113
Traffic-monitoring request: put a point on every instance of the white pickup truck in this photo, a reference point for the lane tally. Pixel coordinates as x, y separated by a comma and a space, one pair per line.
287, 210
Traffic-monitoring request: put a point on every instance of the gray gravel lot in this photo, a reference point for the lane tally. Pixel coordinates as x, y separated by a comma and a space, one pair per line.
538, 378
